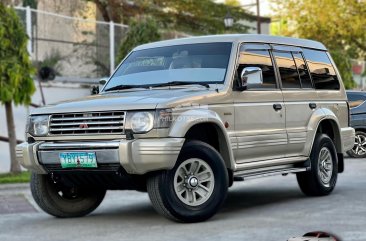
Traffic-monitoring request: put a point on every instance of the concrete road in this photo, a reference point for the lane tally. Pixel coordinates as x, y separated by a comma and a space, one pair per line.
267, 209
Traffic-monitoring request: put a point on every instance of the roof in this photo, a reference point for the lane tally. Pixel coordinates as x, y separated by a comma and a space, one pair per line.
251, 38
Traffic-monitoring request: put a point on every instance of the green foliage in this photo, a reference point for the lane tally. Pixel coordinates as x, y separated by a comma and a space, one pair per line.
189, 16
16, 83
140, 32
339, 24
22, 177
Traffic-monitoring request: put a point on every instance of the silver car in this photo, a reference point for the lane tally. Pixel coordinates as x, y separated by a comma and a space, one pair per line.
183, 119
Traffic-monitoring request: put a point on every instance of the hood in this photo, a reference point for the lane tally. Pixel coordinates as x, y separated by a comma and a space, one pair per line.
124, 100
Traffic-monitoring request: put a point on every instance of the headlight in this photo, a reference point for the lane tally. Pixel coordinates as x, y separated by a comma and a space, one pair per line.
145, 121
38, 125
141, 122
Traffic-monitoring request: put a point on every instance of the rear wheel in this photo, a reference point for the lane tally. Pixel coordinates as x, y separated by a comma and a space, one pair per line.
322, 177
62, 201
195, 189
359, 149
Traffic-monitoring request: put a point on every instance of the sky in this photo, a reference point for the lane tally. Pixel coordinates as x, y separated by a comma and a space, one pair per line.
263, 4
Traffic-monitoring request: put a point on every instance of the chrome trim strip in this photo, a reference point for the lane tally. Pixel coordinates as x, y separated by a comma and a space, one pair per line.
78, 145
268, 163
86, 118
88, 123
88, 129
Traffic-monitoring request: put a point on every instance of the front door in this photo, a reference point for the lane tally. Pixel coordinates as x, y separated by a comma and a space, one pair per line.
259, 111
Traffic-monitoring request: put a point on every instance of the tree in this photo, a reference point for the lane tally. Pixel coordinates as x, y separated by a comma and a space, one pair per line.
16, 84
339, 24
190, 16
140, 32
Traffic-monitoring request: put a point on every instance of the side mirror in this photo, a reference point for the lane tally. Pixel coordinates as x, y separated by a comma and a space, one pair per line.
102, 82
251, 76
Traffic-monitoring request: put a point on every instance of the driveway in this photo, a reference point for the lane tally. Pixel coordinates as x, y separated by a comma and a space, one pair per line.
267, 209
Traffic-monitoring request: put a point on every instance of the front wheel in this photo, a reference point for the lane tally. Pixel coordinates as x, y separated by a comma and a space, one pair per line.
322, 177
62, 201
195, 189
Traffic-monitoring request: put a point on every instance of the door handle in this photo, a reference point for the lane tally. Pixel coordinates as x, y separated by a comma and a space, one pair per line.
312, 106
277, 107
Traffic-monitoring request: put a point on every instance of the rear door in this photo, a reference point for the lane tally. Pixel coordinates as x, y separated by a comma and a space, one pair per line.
298, 94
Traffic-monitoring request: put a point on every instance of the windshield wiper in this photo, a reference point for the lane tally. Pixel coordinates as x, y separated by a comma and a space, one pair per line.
175, 83
125, 87
172, 83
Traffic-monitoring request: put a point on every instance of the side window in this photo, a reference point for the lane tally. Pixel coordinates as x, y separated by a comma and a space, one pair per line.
303, 71
287, 68
321, 70
261, 59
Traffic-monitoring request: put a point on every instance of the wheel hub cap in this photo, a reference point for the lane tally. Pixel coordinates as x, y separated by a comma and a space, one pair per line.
325, 169
193, 181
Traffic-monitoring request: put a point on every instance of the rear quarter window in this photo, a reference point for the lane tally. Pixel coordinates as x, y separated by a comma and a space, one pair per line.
321, 70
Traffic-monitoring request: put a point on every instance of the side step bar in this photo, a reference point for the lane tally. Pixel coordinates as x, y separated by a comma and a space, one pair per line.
241, 176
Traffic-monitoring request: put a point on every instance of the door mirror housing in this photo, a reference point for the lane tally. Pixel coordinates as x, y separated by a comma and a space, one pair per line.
102, 83
250, 77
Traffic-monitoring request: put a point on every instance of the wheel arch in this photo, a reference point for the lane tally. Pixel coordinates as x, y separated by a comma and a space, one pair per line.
203, 124
326, 122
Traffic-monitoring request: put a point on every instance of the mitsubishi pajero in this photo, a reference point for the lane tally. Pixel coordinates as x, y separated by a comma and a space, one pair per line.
183, 119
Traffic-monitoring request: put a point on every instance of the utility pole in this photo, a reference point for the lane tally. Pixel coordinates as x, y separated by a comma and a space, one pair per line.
258, 19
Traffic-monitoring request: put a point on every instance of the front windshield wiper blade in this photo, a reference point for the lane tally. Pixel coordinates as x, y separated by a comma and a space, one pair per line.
125, 87
174, 83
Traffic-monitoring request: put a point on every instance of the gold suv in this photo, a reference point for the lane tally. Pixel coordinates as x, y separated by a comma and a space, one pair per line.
183, 119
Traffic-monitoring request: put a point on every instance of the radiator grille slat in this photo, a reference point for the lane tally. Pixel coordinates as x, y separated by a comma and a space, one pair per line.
88, 123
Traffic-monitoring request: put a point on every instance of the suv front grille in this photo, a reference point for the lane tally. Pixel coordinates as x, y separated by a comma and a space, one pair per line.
88, 123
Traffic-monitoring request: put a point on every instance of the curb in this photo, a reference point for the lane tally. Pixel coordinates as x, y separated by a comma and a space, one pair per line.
14, 186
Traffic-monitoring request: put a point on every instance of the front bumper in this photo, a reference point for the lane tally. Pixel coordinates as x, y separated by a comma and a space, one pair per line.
135, 156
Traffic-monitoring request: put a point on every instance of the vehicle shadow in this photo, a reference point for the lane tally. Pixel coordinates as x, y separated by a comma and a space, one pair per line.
239, 201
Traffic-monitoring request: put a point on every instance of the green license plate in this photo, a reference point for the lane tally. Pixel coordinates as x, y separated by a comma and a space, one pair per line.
78, 159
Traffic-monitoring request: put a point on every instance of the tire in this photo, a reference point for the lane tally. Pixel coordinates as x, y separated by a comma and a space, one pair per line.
63, 202
194, 203
360, 142
323, 159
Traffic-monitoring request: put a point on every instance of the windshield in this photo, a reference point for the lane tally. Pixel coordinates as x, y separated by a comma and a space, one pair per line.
192, 63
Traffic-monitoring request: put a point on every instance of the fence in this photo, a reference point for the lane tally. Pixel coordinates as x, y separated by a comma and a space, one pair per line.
75, 47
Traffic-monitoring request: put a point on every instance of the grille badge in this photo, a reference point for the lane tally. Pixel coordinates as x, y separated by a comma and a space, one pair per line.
83, 126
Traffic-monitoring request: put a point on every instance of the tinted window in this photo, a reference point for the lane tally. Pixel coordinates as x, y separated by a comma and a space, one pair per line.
261, 59
303, 71
321, 69
287, 67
